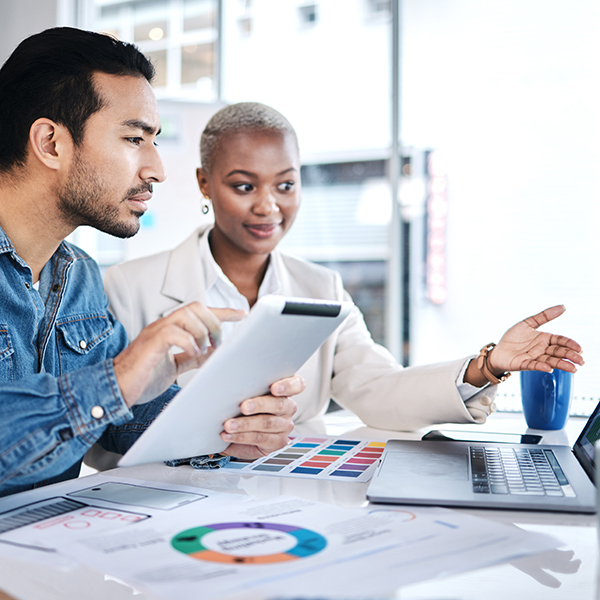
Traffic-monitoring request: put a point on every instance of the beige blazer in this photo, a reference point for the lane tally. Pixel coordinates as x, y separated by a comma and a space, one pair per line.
350, 367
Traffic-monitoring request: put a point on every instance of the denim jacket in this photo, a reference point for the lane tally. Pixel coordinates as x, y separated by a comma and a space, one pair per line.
58, 389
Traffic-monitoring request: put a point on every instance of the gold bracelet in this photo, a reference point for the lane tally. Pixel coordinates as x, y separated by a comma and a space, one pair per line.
483, 366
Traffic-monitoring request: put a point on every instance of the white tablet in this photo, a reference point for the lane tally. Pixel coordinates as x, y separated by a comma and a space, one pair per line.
276, 338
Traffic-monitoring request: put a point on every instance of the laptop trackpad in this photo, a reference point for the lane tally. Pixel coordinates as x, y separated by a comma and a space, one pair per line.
422, 464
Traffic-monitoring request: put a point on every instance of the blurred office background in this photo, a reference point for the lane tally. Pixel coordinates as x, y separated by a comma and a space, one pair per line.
497, 214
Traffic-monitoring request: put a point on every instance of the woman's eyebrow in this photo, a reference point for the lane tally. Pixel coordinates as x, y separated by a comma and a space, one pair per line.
250, 174
240, 172
287, 171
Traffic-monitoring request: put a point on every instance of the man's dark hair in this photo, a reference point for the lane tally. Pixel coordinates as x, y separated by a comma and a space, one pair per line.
50, 75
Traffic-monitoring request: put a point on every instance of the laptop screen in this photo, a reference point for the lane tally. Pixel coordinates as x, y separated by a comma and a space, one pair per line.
584, 446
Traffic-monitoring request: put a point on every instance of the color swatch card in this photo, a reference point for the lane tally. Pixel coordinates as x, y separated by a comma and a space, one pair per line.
317, 457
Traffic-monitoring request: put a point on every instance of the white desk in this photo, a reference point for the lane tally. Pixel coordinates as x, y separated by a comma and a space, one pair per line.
565, 574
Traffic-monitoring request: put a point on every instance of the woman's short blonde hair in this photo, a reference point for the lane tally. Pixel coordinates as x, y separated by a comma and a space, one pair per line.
235, 118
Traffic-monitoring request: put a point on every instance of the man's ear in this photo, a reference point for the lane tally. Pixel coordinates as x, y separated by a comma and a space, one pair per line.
202, 178
50, 143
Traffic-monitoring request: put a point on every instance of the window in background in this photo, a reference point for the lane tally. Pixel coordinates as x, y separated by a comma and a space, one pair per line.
245, 22
343, 224
180, 36
150, 21
307, 14
378, 9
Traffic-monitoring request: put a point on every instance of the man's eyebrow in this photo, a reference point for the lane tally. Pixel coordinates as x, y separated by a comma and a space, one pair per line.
145, 127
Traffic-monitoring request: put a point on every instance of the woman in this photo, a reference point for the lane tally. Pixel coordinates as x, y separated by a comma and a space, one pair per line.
251, 174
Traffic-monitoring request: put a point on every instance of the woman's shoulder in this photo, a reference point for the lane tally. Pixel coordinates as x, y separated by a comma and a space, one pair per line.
139, 266
302, 266
310, 279
158, 262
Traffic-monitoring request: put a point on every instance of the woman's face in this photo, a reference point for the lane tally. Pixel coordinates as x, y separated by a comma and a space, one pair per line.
254, 186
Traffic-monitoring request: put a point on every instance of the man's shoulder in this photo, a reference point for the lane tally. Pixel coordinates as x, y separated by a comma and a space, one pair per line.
74, 251
83, 264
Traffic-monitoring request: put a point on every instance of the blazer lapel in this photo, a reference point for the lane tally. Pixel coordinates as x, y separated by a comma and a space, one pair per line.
184, 277
289, 287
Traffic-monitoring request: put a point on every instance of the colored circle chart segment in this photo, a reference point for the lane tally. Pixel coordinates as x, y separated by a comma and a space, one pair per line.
248, 542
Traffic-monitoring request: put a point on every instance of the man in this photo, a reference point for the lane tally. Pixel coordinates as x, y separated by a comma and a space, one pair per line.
77, 147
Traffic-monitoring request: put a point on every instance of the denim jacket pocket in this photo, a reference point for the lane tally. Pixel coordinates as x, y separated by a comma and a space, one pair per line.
80, 340
6, 354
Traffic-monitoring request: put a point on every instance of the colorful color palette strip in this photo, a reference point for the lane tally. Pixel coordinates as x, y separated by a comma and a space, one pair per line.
315, 457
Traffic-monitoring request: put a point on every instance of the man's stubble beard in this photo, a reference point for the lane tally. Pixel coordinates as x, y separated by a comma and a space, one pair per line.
83, 200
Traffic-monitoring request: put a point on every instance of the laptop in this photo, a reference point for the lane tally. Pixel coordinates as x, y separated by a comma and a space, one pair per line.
485, 475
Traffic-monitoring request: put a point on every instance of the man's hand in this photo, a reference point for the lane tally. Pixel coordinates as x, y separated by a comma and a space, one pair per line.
267, 421
148, 366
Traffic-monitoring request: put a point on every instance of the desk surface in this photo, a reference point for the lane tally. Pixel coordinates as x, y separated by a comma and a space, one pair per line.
567, 573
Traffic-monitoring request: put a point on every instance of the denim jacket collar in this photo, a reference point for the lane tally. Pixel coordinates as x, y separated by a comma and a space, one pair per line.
65, 249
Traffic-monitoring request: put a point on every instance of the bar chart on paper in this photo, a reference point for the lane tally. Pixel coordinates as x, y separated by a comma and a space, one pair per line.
317, 457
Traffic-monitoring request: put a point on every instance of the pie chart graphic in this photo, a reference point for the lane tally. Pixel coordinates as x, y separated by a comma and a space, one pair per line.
248, 542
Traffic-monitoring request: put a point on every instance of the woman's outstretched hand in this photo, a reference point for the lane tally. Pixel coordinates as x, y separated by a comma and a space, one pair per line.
524, 348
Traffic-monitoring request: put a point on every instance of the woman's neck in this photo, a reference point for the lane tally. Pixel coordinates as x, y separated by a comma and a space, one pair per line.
245, 271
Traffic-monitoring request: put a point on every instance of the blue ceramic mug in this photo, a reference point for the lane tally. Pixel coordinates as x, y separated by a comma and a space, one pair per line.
546, 398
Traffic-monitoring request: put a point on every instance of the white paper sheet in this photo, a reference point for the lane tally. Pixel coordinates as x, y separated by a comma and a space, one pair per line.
35, 525
289, 545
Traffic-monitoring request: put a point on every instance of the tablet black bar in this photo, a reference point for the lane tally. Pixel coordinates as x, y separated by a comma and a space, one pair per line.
313, 309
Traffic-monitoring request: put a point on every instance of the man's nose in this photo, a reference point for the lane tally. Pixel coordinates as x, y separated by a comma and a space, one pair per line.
154, 170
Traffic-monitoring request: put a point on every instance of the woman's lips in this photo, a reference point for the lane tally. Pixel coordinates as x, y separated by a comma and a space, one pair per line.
262, 230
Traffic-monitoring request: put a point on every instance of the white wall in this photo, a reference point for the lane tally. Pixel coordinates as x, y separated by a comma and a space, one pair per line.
19, 19
510, 91
331, 80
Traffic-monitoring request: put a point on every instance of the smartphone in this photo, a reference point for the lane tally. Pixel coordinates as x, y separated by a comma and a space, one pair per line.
482, 437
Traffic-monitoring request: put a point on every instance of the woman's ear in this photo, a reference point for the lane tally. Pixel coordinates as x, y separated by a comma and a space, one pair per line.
50, 143
202, 178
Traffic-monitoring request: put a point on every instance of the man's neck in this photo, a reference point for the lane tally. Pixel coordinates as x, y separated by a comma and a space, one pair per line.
30, 220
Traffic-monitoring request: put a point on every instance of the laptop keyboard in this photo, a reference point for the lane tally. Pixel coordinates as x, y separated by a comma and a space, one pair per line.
521, 471
37, 512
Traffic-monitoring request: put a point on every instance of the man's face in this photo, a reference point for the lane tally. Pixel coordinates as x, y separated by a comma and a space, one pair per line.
112, 171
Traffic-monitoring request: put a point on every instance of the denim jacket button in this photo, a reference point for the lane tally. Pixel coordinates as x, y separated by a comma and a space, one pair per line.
82, 344
97, 412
